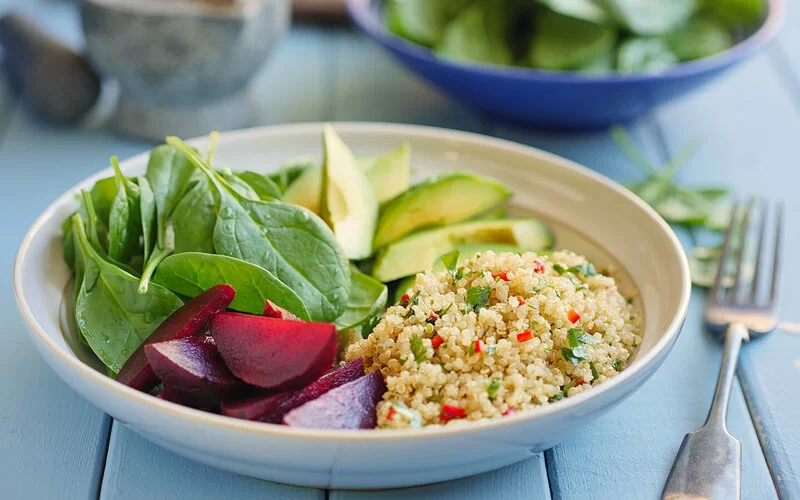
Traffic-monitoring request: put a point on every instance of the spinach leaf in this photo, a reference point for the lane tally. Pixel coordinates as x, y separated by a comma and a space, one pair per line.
192, 273
289, 173
124, 220
194, 219
587, 10
600, 64
422, 21
241, 187
702, 37
147, 206
168, 172
477, 297
289, 241
562, 42
645, 54
366, 299
651, 17
478, 34
112, 317
264, 187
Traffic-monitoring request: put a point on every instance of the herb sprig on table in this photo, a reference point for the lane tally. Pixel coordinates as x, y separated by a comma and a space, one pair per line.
696, 209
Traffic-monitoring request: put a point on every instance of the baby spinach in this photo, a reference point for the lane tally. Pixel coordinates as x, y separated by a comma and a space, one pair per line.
478, 34
111, 315
563, 42
263, 186
645, 55
367, 298
168, 172
289, 173
191, 273
289, 241
651, 17
194, 219
241, 187
147, 206
124, 219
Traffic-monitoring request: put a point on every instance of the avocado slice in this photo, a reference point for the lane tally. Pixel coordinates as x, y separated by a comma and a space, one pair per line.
438, 201
417, 252
388, 173
465, 252
305, 189
347, 201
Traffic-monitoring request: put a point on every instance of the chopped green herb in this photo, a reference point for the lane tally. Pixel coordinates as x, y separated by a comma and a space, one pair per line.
414, 301
566, 389
629, 300
586, 269
477, 297
633, 318
556, 397
559, 268
534, 306
572, 336
541, 286
428, 328
617, 365
369, 325
574, 355
581, 287
402, 361
461, 273
444, 311
450, 261
435, 399
491, 349
594, 370
472, 349
414, 420
493, 387
419, 350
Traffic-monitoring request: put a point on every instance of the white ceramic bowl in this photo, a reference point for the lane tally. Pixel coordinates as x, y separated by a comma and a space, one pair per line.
588, 213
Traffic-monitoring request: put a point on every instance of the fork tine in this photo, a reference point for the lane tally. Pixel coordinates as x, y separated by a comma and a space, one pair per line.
717, 289
776, 264
762, 225
733, 294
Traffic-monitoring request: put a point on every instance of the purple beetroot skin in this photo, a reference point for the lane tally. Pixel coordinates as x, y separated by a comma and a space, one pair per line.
191, 319
192, 366
351, 406
272, 310
273, 407
174, 396
274, 353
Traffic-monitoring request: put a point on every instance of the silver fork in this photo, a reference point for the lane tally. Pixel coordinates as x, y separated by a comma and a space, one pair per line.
708, 465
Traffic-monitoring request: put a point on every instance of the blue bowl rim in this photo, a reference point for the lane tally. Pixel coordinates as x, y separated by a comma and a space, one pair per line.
362, 15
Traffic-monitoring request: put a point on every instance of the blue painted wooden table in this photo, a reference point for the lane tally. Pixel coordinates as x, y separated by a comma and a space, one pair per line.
53, 444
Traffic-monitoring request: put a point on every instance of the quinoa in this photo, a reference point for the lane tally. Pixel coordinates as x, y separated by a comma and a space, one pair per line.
503, 333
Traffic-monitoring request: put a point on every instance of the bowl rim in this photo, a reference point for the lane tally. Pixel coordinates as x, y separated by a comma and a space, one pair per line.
101, 381
362, 15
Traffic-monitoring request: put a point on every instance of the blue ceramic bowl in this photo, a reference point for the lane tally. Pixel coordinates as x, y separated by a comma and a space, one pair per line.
559, 100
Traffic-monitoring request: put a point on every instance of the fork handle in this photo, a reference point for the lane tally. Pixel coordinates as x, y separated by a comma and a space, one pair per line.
708, 464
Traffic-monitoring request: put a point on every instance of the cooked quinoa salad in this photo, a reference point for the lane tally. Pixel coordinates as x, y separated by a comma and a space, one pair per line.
499, 334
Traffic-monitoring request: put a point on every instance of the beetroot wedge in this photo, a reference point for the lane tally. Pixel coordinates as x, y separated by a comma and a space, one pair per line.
175, 396
273, 407
191, 319
351, 406
274, 353
272, 310
193, 367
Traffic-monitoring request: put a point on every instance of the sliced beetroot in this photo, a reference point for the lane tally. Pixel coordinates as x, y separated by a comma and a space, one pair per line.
272, 310
175, 396
351, 406
272, 408
193, 367
274, 353
191, 319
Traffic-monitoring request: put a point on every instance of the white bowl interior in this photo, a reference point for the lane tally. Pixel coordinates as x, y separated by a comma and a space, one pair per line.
588, 213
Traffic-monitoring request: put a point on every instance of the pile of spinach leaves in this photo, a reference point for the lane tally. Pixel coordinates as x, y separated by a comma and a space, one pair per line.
594, 36
139, 246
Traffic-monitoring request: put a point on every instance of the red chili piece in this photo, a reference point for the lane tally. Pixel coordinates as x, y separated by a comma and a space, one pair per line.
404, 300
434, 315
573, 316
524, 336
503, 275
508, 412
478, 346
538, 267
436, 341
391, 413
521, 301
451, 412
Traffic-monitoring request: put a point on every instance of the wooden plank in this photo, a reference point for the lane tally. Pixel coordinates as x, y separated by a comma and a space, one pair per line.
750, 142
137, 468
636, 443
52, 442
521, 481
